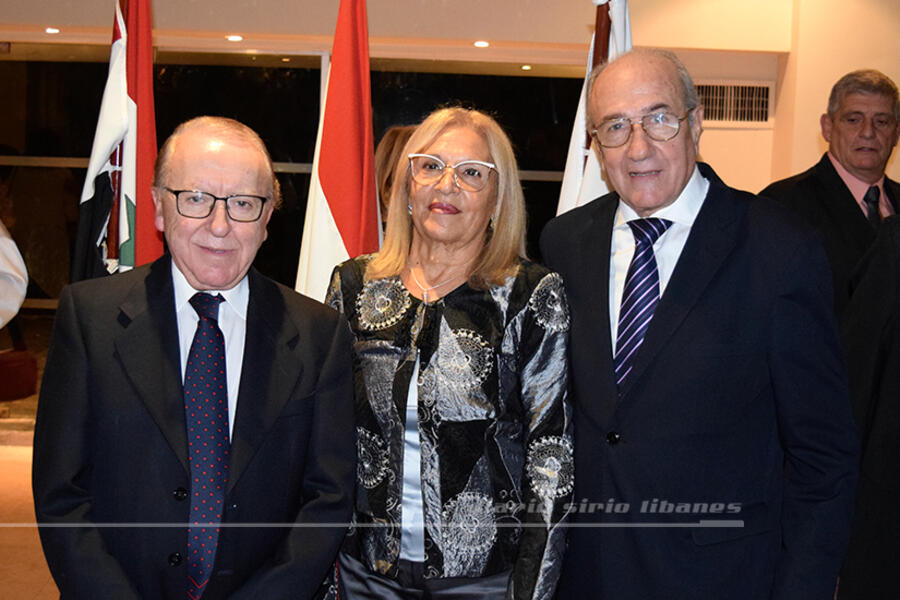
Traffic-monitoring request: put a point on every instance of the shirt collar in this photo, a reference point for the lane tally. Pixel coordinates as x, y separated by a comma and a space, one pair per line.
857, 186
683, 211
237, 297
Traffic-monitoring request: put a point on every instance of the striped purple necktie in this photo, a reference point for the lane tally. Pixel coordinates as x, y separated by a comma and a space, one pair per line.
206, 412
640, 295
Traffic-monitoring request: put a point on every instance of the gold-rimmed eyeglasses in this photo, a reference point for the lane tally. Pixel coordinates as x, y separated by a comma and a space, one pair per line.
660, 126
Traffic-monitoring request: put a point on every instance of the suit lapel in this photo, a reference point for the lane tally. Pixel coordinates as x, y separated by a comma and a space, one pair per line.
265, 384
892, 189
842, 209
712, 237
148, 351
598, 241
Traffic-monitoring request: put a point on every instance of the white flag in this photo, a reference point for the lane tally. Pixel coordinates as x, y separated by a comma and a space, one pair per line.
342, 210
583, 180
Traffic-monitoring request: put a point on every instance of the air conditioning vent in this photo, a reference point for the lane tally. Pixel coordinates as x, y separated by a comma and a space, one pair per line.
736, 103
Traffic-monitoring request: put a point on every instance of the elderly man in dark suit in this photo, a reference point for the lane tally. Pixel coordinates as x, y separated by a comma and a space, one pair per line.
846, 194
714, 447
195, 427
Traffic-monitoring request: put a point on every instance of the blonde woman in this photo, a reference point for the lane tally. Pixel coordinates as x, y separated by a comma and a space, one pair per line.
465, 451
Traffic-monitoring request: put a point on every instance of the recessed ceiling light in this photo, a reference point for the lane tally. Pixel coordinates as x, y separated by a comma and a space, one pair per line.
482, 44
526, 67
234, 38
285, 59
51, 30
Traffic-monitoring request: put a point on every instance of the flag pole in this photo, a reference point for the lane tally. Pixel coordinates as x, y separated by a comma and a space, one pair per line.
341, 211
602, 26
583, 177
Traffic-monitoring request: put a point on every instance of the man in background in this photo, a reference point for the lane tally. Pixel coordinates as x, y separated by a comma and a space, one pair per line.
846, 194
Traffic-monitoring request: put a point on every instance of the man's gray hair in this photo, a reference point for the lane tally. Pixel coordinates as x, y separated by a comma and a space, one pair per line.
864, 81
689, 90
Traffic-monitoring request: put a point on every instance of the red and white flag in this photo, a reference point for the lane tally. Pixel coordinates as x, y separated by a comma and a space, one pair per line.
115, 229
342, 210
583, 178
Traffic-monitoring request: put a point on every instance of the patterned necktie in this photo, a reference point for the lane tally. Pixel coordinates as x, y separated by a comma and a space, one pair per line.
873, 214
206, 412
640, 295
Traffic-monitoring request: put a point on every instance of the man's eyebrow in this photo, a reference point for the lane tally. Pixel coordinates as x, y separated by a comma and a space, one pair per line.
860, 113
646, 111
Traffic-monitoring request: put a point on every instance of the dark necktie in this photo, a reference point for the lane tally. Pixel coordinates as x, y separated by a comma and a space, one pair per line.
206, 412
640, 295
873, 214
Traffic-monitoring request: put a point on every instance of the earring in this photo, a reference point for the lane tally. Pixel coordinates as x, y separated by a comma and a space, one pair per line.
491, 224
409, 209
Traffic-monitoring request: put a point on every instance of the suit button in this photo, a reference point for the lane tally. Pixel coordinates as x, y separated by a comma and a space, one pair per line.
180, 494
175, 559
613, 438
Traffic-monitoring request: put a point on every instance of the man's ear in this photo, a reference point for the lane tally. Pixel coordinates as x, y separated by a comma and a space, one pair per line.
159, 219
826, 123
696, 122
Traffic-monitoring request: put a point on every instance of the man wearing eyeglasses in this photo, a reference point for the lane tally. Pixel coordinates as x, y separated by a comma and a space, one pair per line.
714, 448
846, 194
195, 430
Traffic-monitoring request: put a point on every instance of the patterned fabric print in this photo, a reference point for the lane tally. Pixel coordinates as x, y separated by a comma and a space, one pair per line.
206, 415
463, 529
548, 302
492, 385
431, 496
451, 384
469, 533
372, 466
378, 361
382, 303
550, 469
464, 359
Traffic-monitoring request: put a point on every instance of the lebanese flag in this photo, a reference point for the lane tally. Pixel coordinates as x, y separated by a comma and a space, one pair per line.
115, 226
583, 177
342, 210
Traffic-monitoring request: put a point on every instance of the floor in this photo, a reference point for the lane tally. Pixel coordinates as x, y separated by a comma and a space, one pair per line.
23, 571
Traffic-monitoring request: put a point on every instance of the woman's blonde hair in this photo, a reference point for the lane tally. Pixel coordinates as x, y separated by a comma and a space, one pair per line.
506, 239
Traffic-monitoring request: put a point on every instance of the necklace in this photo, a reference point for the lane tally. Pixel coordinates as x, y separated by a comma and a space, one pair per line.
433, 287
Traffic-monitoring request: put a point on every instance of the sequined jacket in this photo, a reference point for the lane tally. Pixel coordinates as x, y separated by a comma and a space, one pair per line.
494, 423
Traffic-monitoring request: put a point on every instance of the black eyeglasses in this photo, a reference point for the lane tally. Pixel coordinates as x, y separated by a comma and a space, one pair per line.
659, 126
194, 204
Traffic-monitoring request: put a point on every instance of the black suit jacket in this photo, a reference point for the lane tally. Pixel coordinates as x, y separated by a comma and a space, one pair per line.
871, 335
736, 408
821, 197
110, 448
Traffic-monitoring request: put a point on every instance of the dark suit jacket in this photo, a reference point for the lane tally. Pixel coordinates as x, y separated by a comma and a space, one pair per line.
822, 198
871, 335
737, 402
110, 448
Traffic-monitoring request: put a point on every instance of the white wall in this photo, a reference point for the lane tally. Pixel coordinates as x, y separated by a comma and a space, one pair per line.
741, 157
829, 38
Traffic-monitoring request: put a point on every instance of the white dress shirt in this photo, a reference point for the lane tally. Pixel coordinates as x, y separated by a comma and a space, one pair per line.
667, 248
13, 277
232, 322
